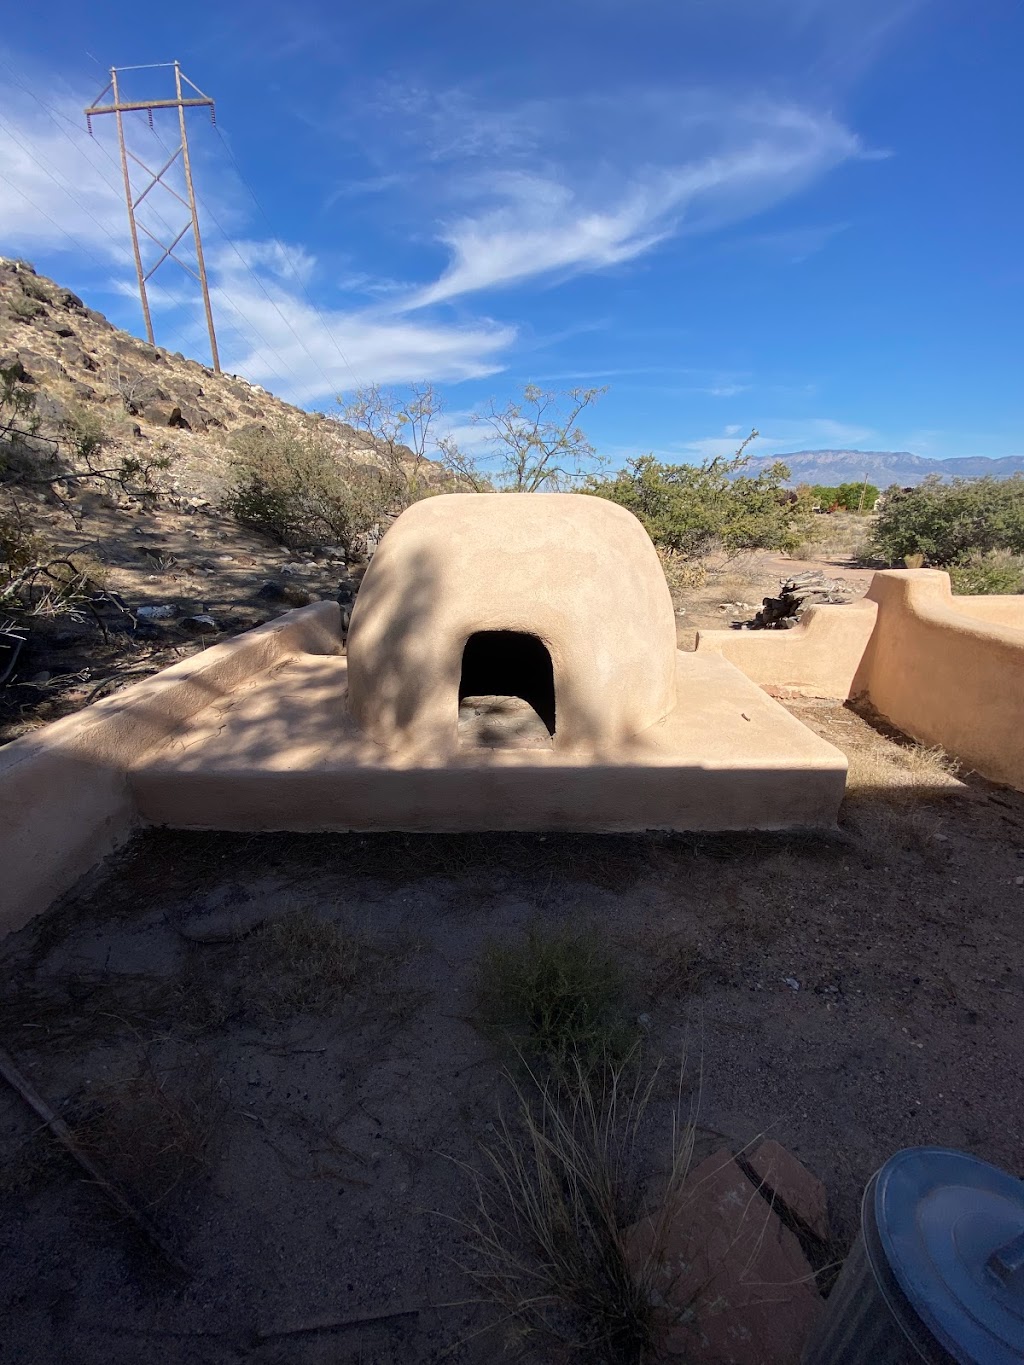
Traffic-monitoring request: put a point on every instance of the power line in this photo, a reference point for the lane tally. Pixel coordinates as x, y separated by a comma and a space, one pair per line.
66, 189
298, 279
269, 349
84, 140
263, 289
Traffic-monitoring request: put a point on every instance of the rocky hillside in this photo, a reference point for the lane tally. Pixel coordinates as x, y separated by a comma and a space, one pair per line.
885, 467
164, 570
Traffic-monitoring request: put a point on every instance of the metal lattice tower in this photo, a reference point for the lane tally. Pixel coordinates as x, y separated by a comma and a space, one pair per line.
119, 108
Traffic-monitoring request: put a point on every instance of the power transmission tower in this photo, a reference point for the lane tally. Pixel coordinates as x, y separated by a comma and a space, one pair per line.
120, 107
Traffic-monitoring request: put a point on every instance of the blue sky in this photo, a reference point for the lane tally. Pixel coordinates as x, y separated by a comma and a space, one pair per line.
800, 215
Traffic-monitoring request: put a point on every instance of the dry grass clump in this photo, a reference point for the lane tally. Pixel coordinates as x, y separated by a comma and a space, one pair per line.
557, 998
682, 572
154, 1130
547, 1235
901, 773
296, 964
299, 964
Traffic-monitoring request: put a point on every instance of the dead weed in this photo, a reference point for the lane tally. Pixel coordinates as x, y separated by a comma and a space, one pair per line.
153, 1130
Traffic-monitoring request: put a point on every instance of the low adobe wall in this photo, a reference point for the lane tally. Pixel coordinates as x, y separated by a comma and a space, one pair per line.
948, 670
945, 670
820, 657
65, 795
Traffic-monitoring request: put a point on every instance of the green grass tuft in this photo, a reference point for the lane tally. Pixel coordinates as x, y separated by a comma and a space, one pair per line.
556, 997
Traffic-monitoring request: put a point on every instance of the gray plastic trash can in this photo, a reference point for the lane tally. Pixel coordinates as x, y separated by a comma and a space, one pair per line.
937, 1273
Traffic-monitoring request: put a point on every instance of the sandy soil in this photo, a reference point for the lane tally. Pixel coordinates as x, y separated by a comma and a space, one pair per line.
850, 994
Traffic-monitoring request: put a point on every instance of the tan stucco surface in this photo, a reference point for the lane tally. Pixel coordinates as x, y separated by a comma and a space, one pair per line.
282, 754
944, 674
65, 797
578, 572
818, 658
946, 670
277, 730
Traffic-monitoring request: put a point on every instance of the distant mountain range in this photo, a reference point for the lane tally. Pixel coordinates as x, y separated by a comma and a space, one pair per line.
884, 467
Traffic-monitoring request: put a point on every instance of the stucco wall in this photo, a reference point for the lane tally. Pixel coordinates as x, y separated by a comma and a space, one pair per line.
65, 798
946, 670
1002, 611
818, 658
946, 676
578, 572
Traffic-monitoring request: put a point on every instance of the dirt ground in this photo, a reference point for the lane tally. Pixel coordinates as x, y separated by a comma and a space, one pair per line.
735, 587
848, 994
200, 562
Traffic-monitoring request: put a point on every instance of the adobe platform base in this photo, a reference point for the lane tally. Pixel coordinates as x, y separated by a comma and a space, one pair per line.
282, 753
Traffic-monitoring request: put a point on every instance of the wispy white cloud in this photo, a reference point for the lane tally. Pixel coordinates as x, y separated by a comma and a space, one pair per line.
61, 196
280, 260
701, 164
725, 390
278, 338
56, 195
532, 192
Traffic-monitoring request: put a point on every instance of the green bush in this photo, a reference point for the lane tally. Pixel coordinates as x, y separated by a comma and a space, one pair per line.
848, 497
558, 998
24, 308
690, 510
995, 572
84, 432
949, 523
17, 404
292, 484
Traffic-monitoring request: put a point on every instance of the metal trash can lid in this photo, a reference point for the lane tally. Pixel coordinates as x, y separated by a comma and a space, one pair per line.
952, 1230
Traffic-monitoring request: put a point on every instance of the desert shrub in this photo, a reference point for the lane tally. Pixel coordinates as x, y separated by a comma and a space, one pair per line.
293, 484
691, 510
682, 574
948, 523
548, 1232
17, 405
133, 389
998, 571
557, 998
83, 432
846, 497
24, 308
34, 288
20, 546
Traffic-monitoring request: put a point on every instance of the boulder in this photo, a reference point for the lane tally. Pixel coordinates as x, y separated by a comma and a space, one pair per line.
36, 367
200, 625
289, 593
166, 611
66, 299
73, 354
50, 411
197, 417
14, 365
